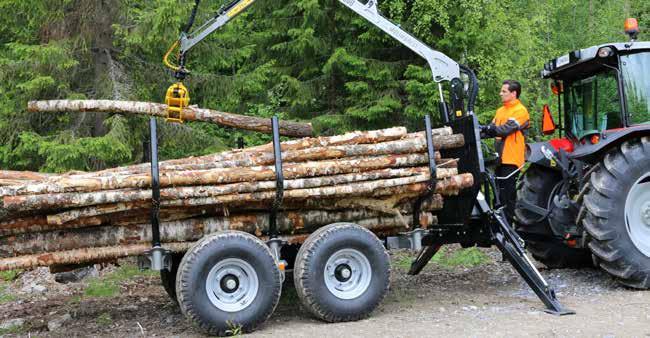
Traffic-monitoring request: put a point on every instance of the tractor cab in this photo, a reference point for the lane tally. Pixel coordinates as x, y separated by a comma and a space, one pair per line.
585, 196
601, 90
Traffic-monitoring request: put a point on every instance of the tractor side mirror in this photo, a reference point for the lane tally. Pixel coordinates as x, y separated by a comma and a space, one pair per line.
548, 125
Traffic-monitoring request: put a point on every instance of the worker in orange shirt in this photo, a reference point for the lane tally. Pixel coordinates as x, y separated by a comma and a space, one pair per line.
508, 126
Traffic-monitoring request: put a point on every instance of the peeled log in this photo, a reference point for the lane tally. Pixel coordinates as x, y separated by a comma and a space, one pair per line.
196, 228
287, 128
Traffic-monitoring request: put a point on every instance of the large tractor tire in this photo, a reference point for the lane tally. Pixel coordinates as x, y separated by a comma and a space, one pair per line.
546, 247
618, 213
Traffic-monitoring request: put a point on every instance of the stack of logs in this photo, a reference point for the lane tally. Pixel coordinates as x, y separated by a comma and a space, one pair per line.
370, 178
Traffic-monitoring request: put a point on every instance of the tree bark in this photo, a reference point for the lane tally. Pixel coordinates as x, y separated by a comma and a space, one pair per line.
289, 223
79, 256
287, 128
415, 184
356, 137
66, 200
215, 176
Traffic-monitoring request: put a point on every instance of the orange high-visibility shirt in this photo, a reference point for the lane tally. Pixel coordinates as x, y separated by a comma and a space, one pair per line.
514, 146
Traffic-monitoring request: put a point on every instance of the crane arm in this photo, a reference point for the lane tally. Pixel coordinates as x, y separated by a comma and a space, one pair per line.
442, 67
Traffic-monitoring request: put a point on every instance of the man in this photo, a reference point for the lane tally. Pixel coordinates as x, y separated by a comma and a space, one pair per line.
507, 126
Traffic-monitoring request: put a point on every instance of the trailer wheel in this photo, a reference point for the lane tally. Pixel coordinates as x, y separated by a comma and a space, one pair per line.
537, 187
618, 213
342, 272
228, 282
168, 277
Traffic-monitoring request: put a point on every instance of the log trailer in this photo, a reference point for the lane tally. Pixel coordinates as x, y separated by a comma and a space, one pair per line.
341, 271
585, 198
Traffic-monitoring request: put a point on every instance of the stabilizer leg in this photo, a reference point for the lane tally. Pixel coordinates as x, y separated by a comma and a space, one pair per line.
511, 245
423, 258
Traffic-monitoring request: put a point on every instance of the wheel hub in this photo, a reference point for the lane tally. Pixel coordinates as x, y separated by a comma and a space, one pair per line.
232, 285
229, 283
343, 273
347, 274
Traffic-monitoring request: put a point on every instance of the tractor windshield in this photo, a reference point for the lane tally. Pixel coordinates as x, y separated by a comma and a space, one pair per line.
593, 104
637, 86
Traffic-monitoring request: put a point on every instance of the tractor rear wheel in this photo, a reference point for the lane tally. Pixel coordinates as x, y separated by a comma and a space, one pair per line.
546, 247
618, 213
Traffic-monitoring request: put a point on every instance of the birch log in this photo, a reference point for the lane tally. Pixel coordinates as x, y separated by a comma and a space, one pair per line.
196, 228
216, 176
287, 128
318, 186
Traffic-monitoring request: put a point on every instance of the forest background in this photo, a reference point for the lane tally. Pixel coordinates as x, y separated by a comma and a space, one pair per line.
310, 60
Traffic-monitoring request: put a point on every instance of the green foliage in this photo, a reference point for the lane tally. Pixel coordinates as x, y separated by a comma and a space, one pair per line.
301, 59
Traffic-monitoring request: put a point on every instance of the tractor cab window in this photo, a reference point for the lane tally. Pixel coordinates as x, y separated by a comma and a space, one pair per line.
637, 86
593, 104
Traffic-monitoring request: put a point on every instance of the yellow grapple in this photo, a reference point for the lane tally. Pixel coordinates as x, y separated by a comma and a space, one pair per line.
177, 99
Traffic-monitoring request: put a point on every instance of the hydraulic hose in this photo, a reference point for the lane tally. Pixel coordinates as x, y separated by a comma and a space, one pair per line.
473, 88
190, 22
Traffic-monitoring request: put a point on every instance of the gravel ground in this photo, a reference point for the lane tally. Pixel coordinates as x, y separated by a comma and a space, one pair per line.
489, 299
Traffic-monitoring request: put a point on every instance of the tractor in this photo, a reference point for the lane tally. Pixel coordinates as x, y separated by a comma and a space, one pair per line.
585, 196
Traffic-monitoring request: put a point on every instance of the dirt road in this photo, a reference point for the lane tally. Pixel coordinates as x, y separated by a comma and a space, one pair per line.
479, 296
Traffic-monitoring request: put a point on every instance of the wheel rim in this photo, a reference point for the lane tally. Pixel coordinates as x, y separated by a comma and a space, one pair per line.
637, 214
232, 285
347, 274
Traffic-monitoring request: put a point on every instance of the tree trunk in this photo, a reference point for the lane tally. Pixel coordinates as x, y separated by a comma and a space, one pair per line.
288, 223
356, 137
215, 176
230, 193
79, 256
287, 128
65, 200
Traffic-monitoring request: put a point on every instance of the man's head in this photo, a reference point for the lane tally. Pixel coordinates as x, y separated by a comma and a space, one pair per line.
510, 91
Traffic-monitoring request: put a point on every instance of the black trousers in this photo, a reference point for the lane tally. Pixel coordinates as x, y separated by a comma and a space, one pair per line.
507, 188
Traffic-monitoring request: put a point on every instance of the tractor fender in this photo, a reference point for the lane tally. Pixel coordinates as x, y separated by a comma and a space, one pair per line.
534, 154
611, 138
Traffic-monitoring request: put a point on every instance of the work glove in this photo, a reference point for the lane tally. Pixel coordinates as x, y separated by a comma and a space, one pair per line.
488, 131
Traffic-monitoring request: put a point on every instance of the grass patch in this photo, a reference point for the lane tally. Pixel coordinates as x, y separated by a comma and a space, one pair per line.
16, 329
104, 319
4, 296
9, 275
446, 257
108, 286
101, 288
469, 257
234, 329
75, 299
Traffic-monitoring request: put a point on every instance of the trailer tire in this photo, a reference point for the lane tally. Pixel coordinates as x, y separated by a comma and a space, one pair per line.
618, 213
358, 278
536, 189
245, 283
168, 277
